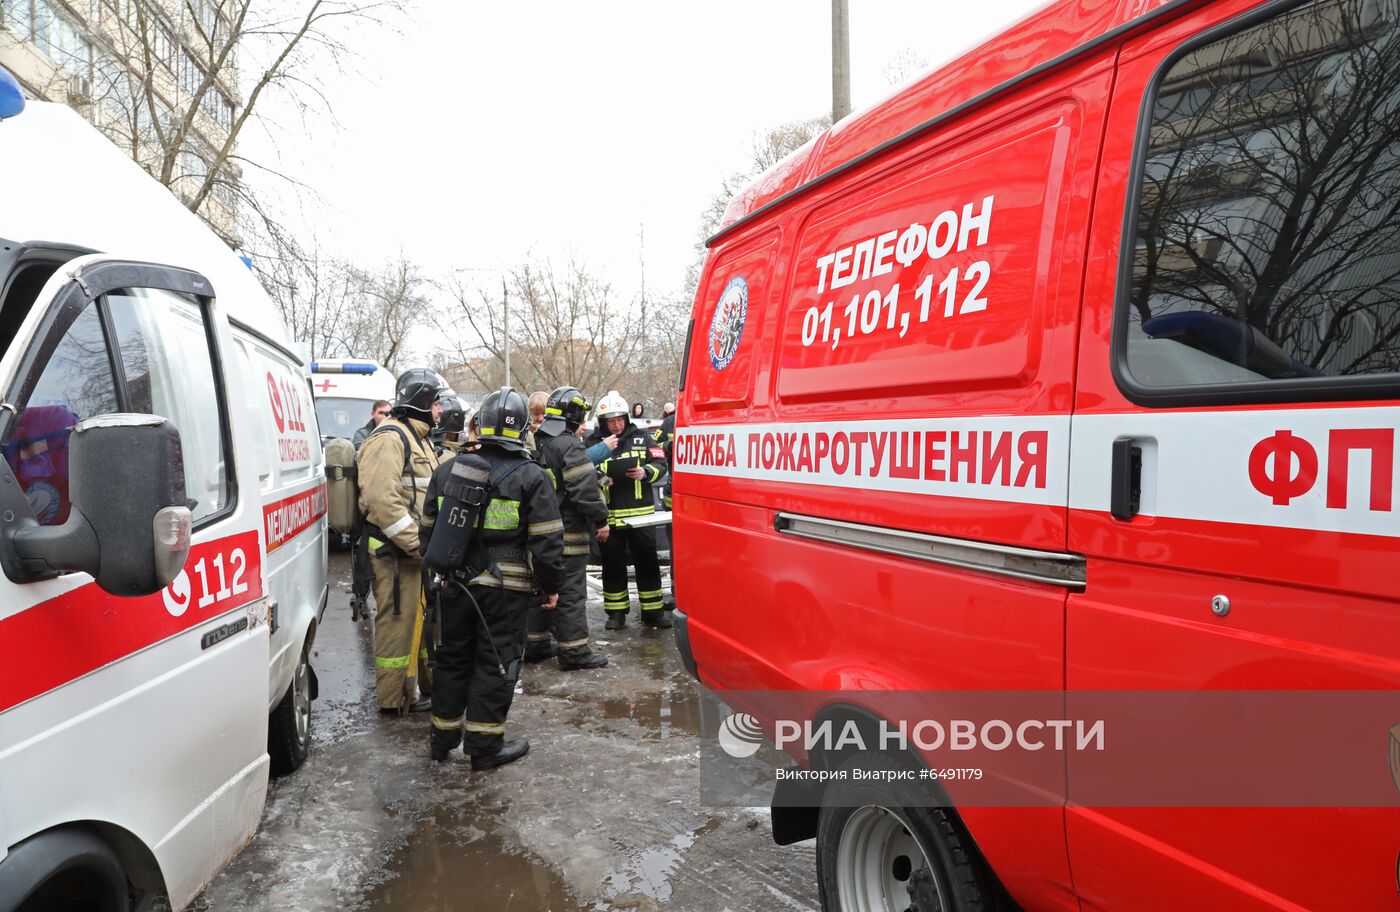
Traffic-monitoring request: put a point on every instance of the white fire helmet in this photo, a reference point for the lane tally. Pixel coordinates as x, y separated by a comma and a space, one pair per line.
612, 406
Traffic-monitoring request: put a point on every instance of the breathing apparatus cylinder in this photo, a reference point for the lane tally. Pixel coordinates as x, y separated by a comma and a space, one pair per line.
466, 490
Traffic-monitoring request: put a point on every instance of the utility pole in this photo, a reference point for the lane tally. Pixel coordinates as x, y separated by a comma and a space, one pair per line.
840, 60
505, 300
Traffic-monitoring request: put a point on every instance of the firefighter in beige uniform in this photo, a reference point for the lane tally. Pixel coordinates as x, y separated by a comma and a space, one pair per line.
394, 465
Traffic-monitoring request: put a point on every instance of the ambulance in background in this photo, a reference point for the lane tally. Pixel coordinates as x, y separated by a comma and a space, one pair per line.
161, 537
345, 389
1072, 369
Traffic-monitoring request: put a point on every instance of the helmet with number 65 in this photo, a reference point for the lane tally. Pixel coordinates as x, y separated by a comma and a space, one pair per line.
504, 418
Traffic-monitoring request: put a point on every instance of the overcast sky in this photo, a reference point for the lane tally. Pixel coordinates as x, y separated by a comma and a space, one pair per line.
489, 132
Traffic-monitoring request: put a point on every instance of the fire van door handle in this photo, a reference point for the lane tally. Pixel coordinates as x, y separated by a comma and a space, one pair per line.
1125, 497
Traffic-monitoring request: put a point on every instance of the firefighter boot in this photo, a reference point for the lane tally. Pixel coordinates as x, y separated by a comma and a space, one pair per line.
539, 650
659, 618
616, 620
509, 753
441, 742
583, 660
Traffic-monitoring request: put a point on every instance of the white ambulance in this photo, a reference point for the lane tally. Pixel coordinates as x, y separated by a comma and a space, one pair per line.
158, 572
345, 389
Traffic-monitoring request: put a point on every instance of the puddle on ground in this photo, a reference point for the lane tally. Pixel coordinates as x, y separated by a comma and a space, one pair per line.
651, 869
451, 864
664, 715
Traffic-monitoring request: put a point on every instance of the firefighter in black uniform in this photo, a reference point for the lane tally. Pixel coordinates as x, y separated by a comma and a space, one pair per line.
630, 471
483, 606
451, 428
565, 630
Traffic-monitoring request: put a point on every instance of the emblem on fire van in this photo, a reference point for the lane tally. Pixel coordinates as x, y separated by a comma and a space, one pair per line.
727, 322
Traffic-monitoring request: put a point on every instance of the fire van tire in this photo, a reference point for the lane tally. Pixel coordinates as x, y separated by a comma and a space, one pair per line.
873, 855
289, 725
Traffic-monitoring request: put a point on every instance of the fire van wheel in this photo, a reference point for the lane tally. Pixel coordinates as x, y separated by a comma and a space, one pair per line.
875, 857
289, 726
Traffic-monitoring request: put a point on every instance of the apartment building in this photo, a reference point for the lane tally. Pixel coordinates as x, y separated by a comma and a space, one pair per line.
157, 76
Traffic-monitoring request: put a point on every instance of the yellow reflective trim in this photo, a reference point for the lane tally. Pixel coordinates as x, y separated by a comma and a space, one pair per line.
486, 728
375, 544
553, 411
538, 637
447, 724
391, 662
512, 583
509, 433
652, 592
575, 550
573, 644
547, 527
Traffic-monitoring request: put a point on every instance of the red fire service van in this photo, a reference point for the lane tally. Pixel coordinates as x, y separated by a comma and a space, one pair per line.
1072, 367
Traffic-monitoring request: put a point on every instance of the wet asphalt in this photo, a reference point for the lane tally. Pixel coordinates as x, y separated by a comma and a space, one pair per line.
604, 814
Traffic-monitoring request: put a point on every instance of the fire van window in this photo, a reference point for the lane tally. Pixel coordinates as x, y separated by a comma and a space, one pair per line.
1267, 248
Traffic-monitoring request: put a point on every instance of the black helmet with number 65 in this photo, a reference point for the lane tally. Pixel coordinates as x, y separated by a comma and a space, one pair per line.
504, 418
564, 411
415, 393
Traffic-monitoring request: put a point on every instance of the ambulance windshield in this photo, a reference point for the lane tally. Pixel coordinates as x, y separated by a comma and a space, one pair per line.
342, 417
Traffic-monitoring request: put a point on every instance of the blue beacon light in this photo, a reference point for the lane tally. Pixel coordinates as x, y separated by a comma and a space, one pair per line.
11, 95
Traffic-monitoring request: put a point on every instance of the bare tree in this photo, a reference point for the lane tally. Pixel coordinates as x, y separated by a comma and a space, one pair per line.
341, 310
768, 149
565, 328
177, 82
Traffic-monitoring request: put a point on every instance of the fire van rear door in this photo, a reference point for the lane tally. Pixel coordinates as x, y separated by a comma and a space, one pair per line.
1233, 466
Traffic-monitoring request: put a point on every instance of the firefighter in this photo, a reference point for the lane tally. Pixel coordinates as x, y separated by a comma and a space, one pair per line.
629, 473
394, 465
451, 427
665, 436
564, 631
514, 557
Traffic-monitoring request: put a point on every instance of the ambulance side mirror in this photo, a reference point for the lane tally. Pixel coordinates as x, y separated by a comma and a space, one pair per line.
128, 524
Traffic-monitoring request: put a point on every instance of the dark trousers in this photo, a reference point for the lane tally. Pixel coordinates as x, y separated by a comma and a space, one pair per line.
568, 622
471, 694
361, 572
642, 546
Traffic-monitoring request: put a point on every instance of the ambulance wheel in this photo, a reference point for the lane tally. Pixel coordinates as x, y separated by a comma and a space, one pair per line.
874, 856
289, 726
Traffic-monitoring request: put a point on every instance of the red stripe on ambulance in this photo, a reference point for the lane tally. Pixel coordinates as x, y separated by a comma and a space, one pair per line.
85, 629
289, 517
